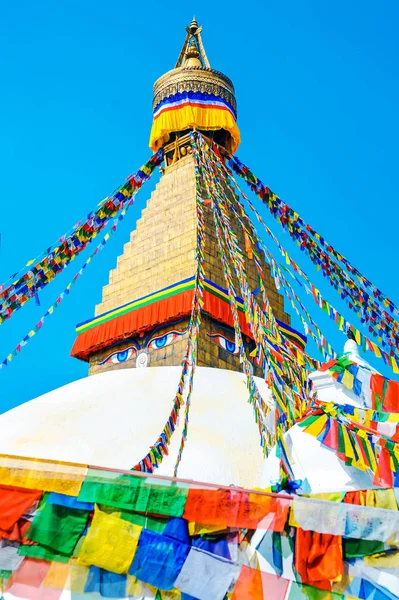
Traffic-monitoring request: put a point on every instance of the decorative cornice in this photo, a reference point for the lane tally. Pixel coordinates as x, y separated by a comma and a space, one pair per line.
195, 79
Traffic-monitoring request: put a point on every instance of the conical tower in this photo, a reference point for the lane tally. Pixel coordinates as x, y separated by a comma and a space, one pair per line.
144, 313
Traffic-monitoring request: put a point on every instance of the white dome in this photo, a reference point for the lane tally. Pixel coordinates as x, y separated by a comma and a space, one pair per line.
111, 419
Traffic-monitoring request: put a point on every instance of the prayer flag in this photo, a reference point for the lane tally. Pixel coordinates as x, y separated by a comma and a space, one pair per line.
158, 560
58, 527
107, 584
110, 543
204, 576
256, 585
14, 503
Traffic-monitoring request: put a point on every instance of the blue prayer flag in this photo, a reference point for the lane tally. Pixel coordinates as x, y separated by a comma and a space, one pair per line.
69, 501
158, 560
107, 584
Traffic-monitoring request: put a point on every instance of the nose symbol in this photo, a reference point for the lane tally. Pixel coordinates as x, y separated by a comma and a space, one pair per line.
141, 360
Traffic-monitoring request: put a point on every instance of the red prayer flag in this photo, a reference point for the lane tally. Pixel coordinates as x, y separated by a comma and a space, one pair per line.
14, 502
27, 580
383, 476
230, 508
318, 557
256, 585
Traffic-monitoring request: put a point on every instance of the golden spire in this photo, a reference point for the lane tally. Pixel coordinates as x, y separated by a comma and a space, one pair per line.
193, 53
192, 78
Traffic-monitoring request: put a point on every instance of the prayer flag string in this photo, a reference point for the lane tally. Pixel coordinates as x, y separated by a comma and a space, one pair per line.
340, 321
25, 287
369, 304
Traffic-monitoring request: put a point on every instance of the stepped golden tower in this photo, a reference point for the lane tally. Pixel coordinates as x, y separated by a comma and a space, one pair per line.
144, 313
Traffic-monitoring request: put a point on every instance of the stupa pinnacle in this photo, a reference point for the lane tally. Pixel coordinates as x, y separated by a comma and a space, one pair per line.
192, 95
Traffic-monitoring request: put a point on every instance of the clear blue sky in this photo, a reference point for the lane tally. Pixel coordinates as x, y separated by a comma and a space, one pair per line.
317, 88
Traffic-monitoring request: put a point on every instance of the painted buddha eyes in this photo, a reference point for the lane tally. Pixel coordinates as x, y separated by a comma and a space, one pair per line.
154, 343
162, 341
224, 342
119, 357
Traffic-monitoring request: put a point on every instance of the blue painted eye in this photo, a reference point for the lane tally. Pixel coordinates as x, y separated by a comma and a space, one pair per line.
160, 342
164, 340
119, 357
224, 343
230, 346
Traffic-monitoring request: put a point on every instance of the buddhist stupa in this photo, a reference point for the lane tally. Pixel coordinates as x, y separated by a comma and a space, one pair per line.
136, 340
135, 343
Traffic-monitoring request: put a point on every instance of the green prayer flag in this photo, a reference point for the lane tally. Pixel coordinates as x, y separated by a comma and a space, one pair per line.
58, 527
111, 489
134, 493
356, 548
341, 441
152, 523
308, 421
42, 553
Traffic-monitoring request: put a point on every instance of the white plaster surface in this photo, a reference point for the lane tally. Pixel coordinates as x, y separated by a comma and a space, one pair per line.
111, 419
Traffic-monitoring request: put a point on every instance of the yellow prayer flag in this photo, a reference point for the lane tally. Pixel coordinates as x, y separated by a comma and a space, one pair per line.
317, 426
199, 529
37, 474
339, 587
30, 262
330, 496
300, 358
381, 499
384, 561
349, 452
347, 380
395, 366
110, 544
291, 519
135, 587
376, 349
57, 575
78, 577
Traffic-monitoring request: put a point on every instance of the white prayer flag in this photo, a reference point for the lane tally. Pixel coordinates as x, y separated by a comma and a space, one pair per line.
206, 576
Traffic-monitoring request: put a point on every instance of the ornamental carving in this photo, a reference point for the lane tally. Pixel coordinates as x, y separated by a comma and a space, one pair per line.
195, 79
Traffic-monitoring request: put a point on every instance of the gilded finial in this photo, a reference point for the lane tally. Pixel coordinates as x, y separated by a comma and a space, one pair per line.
194, 26
186, 56
192, 55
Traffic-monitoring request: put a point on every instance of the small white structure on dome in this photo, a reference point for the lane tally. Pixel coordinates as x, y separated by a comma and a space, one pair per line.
329, 390
312, 463
351, 349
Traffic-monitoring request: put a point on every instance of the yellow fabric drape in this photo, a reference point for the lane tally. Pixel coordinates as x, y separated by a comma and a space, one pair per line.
187, 116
